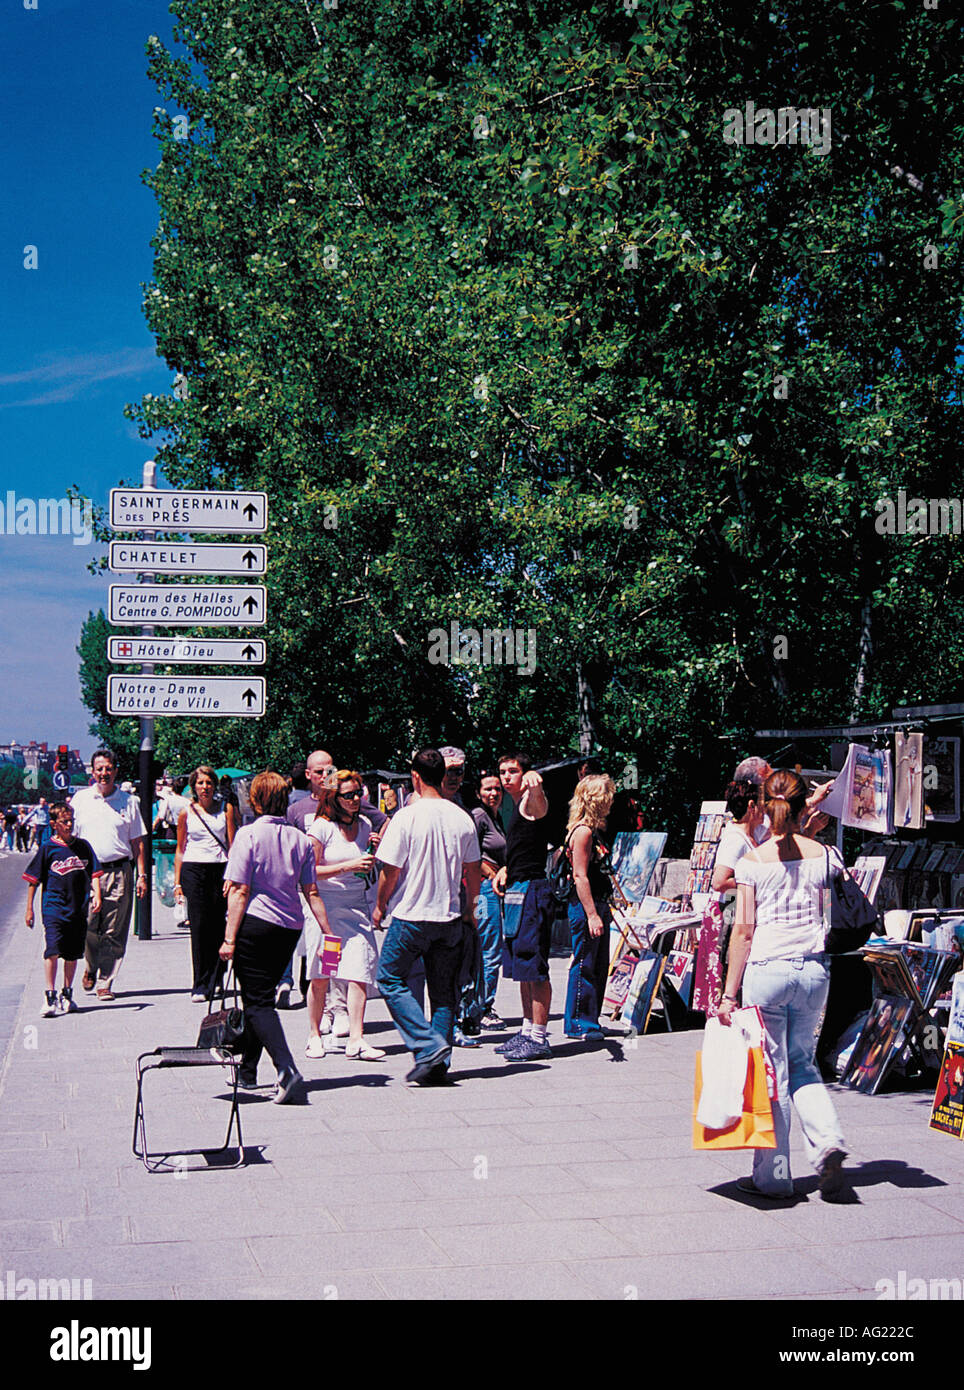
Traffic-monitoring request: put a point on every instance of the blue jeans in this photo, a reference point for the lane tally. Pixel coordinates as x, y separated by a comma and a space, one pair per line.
791, 995
588, 972
489, 916
439, 945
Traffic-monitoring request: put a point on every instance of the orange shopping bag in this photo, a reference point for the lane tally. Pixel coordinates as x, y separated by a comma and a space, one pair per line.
754, 1128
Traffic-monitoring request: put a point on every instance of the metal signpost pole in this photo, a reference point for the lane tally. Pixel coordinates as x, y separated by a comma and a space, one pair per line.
145, 905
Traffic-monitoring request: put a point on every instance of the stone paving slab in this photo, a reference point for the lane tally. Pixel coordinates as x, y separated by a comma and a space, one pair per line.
574, 1180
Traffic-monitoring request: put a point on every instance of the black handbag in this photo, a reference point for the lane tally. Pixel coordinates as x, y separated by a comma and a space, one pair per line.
853, 917
223, 1028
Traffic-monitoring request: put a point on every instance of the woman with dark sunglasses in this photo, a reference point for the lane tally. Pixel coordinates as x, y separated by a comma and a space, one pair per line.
341, 837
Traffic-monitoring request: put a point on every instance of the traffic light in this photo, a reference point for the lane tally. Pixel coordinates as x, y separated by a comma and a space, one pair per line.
63, 758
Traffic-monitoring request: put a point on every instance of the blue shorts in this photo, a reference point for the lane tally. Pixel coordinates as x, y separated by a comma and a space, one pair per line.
525, 956
65, 939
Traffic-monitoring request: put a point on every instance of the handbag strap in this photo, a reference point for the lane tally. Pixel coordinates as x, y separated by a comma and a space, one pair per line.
229, 974
194, 808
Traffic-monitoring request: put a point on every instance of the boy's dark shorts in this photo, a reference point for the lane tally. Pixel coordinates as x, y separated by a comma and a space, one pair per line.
525, 956
65, 939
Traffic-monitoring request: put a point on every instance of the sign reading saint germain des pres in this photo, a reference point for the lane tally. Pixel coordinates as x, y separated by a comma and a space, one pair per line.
142, 509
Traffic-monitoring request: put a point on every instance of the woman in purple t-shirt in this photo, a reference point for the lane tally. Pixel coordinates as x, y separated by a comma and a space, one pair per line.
270, 865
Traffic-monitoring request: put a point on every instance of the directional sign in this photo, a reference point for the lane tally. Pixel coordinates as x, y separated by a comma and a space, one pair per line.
188, 605
198, 696
199, 651
146, 509
142, 557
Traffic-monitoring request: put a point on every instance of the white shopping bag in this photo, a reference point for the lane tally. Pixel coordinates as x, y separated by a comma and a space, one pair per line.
724, 1061
750, 1019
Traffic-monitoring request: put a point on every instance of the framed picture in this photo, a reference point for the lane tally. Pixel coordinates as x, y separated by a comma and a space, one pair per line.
635, 854
880, 1043
642, 991
617, 986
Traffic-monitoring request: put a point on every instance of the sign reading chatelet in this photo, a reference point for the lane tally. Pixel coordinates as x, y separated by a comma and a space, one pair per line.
187, 605
206, 696
146, 509
141, 557
202, 651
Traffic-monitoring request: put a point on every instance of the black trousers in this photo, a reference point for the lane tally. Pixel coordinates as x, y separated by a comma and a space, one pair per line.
261, 952
203, 886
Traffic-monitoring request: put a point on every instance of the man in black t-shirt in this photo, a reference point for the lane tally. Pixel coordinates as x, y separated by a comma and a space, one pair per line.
527, 923
68, 874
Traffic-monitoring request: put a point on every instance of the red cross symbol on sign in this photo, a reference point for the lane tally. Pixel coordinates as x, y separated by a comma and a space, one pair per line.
124, 649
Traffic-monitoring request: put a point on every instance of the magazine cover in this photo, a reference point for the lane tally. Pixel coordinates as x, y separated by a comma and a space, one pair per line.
867, 872
947, 1114
890, 892
942, 779
860, 796
879, 1044
908, 781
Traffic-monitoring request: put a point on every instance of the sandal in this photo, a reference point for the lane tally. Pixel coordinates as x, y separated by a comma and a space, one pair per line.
361, 1052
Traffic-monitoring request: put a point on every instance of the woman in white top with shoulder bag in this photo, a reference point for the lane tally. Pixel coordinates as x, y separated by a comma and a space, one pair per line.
205, 831
779, 941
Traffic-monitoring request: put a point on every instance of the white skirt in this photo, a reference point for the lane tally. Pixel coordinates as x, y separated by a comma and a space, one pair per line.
359, 953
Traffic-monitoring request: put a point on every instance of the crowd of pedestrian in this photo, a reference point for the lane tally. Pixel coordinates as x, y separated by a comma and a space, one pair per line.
422, 895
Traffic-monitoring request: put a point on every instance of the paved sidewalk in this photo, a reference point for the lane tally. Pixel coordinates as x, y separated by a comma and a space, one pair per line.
574, 1180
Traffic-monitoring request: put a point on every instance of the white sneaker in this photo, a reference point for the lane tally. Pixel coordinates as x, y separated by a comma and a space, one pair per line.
325, 1026
67, 1004
49, 1009
361, 1052
342, 1027
315, 1048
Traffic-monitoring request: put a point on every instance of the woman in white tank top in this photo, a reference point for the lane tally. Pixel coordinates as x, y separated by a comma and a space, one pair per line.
205, 831
778, 940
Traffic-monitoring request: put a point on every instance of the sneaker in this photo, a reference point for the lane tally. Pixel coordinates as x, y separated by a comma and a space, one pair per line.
342, 1027
315, 1048
510, 1044
529, 1051
459, 1039
361, 1052
431, 1067
49, 1009
246, 1082
198, 998
833, 1184
325, 1025
289, 1084
106, 994
283, 997
490, 1019
67, 1004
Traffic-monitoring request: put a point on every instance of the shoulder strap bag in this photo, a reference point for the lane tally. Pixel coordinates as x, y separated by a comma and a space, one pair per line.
223, 1028
194, 808
853, 917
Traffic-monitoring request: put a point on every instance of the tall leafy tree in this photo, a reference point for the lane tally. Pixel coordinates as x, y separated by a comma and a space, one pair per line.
514, 337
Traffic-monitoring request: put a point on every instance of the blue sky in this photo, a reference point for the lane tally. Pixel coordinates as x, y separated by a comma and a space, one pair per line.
74, 347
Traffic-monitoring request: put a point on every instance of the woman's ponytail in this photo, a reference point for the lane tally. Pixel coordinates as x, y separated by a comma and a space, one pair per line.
784, 797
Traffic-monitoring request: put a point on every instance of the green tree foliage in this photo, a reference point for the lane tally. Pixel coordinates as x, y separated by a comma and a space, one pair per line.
487, 286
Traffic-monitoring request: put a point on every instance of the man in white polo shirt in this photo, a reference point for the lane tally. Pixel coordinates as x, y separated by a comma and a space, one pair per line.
109, 819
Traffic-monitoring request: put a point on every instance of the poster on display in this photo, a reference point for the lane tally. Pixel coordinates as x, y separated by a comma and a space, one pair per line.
942, 779
860, 796
679, 973
620, 978
635, 854
947, 1114
908, 781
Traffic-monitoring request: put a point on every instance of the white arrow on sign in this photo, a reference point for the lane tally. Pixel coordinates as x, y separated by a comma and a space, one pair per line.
143, 557
187, 605
200, 651
144, 509
198, 696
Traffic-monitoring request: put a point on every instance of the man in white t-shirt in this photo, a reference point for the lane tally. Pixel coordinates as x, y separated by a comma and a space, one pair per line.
109, 819
435, 842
